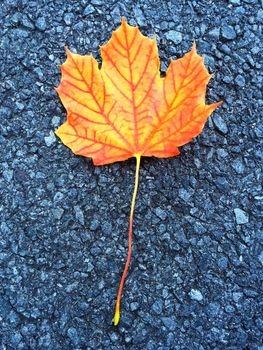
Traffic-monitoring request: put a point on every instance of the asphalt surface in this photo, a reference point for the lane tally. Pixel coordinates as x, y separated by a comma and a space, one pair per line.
195, 276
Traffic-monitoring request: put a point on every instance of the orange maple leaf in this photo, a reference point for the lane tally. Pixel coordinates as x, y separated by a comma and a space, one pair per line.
125, 109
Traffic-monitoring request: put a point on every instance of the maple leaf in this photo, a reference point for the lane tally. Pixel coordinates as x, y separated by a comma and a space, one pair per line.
125, 109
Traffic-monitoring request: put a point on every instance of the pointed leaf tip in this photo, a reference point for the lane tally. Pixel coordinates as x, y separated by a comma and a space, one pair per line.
123, 20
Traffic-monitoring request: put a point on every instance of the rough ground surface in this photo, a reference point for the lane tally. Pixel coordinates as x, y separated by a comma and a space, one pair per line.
194, 281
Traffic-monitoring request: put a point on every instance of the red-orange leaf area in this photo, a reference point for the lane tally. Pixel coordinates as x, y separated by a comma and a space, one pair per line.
125, 108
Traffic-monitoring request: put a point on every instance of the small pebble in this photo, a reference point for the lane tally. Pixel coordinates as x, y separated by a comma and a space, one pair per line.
79, 215
169, 322
238, 166
68, 18
88, 10
220, 124
106, 228
227, 79
41, 23
260, 258
237, 296
73, 335
134, 306
260, 15
214, 33
240, 81
157, 307
174, 36
97, 2
185, 194
222, 263
241, 216
228, 32
57, 213
195, 294
8, 175
94, 224
49, 140
161, 213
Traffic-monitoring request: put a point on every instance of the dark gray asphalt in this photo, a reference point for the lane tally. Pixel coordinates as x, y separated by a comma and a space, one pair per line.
196, 273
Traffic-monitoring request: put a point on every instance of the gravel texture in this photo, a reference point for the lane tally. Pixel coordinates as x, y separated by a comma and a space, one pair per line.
194, 281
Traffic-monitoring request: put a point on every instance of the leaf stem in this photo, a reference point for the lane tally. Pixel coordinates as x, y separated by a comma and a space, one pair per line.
116, 317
